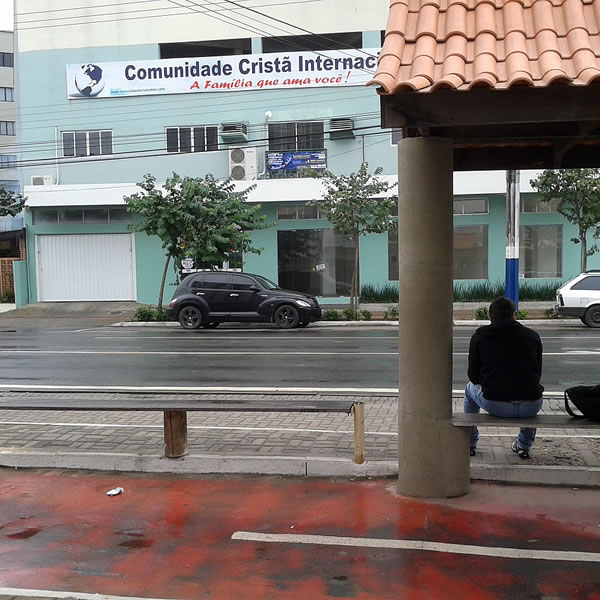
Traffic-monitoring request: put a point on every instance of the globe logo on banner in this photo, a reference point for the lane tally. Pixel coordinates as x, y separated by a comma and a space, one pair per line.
88, 80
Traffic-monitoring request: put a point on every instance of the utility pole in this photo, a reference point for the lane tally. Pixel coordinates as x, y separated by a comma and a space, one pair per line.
513, 214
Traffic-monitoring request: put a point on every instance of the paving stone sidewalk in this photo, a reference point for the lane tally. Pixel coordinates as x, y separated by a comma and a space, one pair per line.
273, 434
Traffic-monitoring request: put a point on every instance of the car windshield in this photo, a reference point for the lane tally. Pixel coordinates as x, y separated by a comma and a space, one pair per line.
266, 283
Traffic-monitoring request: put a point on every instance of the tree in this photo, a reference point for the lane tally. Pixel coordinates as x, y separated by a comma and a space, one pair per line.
578, 195
354, 206
199, 217
11, 203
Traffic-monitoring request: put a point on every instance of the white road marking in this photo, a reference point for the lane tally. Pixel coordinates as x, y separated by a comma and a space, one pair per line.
231, 389
330, 540
313, 353
237, 428
196, 353
6, 591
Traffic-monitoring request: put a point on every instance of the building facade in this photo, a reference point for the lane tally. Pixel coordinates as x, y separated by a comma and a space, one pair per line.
112, 92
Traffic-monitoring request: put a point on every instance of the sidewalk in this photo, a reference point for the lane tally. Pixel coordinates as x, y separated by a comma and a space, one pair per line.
310, 444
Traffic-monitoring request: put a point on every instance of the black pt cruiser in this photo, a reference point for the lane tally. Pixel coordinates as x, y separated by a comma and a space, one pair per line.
208, 298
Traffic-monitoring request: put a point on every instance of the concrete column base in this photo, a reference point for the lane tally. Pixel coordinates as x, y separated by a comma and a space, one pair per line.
433, 458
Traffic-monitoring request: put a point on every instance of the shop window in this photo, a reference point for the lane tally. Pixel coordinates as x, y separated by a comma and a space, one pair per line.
192, 139
7, 128
300, 251
209, 48
7, 94
87, 143
531, 204
316, 42
470, 206
7, 59
471, 252
540, 251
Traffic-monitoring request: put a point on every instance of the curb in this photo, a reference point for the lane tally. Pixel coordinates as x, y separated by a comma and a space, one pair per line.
298, 466
456, 322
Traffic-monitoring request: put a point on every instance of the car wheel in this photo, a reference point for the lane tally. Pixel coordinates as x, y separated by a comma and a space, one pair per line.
592, 316
286, 317
212, 325
303, 324
190, 317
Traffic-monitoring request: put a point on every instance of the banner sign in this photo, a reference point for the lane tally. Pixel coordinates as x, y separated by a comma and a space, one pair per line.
296, 161
331, 68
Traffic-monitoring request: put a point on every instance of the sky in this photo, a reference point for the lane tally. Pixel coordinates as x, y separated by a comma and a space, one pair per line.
6, 14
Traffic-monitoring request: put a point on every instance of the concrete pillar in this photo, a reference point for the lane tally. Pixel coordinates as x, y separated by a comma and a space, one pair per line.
433, 455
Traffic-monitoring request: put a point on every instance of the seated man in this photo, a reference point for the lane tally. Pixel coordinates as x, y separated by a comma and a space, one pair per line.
505, 367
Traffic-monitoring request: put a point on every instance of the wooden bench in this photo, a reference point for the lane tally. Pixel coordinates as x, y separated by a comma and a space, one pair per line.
175, 410
555, 421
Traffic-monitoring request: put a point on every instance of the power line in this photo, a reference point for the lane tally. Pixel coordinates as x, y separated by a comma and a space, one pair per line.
157, 152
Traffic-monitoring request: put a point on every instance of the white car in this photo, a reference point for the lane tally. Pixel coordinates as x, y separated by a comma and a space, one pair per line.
580, 297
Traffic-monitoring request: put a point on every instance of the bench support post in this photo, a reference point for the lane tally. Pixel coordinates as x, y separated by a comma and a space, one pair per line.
359, 432
175, 433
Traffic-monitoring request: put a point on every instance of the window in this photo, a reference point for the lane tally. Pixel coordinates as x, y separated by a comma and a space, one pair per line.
87, 216
7, 59
7, 94
210, 48
70, 217
300, 251
588, 283
540, 251
87, 143
395, 136
45, 216
192, 139
324, 41
535, 205
393, 255
471, 252
301, 135
240, 282
215, 281
8, 161
7, 128
470, 206
298, 212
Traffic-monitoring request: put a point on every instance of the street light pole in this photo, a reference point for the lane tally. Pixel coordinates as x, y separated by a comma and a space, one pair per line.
513, 213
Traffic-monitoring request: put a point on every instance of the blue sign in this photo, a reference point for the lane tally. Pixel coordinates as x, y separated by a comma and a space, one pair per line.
296, 161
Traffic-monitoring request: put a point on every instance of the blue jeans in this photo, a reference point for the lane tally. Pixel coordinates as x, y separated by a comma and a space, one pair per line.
474, 401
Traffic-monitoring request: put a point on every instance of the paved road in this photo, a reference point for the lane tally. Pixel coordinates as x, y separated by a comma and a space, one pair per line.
254, 356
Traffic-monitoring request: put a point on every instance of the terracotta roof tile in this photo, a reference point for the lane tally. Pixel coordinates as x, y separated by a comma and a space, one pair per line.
461, 44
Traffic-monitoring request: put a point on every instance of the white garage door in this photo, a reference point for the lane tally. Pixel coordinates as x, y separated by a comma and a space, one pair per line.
85, 267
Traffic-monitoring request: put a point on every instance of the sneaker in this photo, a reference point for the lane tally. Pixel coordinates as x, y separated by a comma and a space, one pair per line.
521, 452
472, 450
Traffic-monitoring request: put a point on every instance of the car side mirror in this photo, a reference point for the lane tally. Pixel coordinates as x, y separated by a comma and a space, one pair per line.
254, 288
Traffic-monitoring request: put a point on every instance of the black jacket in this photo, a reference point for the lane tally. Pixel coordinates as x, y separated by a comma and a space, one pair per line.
506, 359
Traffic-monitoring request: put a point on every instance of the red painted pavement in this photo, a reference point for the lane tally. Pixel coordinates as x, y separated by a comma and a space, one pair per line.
170, 537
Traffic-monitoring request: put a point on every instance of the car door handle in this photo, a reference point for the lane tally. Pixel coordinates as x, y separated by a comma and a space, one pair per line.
199, 293
234, 295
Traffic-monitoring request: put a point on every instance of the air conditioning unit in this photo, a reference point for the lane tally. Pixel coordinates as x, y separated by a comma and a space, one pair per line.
234, 133
42, 180
341, 129
243, 164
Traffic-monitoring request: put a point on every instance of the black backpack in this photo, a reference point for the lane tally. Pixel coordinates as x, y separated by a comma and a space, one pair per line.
586, 399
